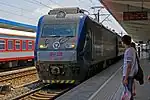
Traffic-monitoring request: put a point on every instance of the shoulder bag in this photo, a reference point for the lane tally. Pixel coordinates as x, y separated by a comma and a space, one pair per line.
139, 76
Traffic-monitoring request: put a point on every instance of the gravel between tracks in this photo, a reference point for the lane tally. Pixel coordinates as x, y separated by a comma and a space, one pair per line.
14, 93
21, 81
49, 92
19, 78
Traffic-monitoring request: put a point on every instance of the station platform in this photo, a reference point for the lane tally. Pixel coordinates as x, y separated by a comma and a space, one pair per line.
107, 85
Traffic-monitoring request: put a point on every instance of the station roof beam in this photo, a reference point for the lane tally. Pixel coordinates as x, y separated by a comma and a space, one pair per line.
137, 27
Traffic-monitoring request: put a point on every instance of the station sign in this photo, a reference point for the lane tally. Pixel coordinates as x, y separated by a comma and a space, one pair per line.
135, 16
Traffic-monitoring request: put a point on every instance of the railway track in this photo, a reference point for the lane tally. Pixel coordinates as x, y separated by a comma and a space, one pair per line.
13, 68
47, 92
18, 77
21, 90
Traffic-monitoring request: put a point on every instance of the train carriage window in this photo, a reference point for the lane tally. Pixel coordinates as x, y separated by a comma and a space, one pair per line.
17, 44
30, 45
2, 44
24, 45
10, 44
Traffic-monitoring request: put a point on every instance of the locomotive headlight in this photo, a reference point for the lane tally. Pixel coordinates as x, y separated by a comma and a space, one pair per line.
43, 46
70, 46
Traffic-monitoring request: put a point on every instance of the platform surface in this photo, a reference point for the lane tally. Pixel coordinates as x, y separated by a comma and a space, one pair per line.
107, 85
85, 90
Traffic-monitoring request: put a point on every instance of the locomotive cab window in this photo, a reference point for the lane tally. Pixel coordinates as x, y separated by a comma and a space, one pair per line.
17, 44
30, 45
59, 30
10, 44
2, 44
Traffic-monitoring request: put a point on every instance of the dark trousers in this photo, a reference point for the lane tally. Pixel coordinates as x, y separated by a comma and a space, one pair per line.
130, 85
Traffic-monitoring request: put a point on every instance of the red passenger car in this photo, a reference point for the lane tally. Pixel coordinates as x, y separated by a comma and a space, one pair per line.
16, 48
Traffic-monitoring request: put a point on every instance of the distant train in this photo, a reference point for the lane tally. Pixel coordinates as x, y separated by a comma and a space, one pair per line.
70, 46
16, 48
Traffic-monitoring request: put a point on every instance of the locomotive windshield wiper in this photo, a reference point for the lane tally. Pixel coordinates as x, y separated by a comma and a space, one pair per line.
69, 36
54, 35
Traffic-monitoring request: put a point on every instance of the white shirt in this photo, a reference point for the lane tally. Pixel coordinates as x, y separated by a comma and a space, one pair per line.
130, 56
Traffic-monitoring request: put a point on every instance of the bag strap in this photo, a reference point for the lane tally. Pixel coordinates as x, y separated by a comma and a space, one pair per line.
138, 61
136, 58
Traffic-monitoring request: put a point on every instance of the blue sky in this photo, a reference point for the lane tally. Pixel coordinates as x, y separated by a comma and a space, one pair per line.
29, 11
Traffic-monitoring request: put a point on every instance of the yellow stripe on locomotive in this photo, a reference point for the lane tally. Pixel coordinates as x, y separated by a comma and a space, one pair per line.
59, 81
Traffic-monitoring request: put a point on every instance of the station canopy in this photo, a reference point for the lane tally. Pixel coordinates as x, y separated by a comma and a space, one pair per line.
133, 15
16, 26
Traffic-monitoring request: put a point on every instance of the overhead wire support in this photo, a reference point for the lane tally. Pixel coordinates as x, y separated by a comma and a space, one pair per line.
85, 11
98, 13
106, 18
142, 5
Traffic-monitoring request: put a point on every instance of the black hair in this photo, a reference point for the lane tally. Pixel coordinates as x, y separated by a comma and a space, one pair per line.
133, 45
126, 39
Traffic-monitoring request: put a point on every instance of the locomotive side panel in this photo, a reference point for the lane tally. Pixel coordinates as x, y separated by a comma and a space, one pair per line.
109, 43
103, 42
121, 46
96, 41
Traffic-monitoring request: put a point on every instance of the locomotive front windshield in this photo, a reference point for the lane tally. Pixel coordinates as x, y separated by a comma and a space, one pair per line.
59, 30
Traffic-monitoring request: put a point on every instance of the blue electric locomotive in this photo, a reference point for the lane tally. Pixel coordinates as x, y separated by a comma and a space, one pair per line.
71, 46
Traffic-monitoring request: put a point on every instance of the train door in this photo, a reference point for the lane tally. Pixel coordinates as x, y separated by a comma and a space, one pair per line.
88, 46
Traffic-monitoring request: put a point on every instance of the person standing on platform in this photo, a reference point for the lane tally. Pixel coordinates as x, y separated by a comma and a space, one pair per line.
139, 52
130, 66
149, 77
134, 93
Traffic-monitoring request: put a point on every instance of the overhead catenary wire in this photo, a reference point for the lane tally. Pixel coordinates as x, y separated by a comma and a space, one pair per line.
56, 3
10, 5
91, 2
42, 4
35, 2
85, 2
22, 9
13, 6
38, 3
16, 14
